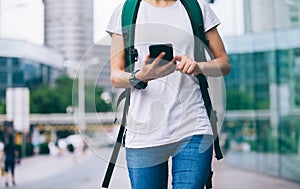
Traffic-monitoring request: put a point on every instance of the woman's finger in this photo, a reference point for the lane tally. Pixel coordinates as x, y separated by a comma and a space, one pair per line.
191, 69
159, 57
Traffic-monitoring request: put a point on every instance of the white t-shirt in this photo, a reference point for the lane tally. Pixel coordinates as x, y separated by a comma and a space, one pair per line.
170, 108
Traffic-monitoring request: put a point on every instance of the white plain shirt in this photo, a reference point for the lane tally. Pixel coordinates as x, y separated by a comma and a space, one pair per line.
170, 108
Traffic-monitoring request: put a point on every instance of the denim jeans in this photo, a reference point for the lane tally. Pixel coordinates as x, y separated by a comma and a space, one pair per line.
191, 163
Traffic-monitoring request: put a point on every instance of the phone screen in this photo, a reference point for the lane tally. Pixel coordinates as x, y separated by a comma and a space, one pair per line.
156, 49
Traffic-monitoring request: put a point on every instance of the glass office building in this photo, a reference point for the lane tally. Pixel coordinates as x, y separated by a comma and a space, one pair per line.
69, 26
23, 64
261, 131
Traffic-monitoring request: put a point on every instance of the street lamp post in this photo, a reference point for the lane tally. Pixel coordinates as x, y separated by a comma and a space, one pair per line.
81, 99
74, 68
81, 90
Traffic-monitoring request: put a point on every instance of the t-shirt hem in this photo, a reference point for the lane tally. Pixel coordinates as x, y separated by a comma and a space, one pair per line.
208, 132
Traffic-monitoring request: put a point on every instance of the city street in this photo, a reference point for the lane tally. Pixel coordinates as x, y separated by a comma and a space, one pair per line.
87, 170
48, 172
60, 90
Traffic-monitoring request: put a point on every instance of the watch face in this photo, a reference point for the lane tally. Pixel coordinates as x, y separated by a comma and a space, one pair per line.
134, 81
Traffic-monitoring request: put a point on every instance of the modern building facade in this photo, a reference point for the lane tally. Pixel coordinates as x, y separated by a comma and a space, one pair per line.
262, 125
69, 26
271, 14
23, 64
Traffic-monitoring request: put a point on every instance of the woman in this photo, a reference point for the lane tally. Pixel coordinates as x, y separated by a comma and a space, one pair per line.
167, 116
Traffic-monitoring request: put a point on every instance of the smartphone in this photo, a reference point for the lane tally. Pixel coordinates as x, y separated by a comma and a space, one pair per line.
156, 49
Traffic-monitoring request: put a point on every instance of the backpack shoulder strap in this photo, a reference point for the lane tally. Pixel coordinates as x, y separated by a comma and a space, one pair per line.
195, 14
128, 27
129, 15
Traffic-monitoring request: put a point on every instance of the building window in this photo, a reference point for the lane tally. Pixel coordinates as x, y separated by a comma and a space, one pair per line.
3, 62
18, 78
15, 62
3, 78
294, 14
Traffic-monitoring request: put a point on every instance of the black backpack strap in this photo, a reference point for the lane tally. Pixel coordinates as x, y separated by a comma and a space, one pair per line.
118, 144
128, 29
195, 14
208, 184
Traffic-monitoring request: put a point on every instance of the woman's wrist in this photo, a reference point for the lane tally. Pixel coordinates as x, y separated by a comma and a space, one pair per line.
201, 66
140, 76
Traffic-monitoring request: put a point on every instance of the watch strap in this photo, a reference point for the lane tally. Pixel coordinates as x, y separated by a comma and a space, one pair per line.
136, 83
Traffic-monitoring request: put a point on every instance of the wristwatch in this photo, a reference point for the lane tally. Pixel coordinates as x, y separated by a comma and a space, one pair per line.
138, 84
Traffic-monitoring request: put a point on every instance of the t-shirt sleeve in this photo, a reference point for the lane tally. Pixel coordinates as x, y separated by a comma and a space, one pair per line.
209, 17
114, 24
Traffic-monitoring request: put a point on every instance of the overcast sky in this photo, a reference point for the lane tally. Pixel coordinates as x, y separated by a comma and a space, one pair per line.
23, 19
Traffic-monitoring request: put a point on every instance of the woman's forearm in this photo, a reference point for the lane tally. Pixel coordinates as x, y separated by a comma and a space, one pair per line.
215, 68
120, 79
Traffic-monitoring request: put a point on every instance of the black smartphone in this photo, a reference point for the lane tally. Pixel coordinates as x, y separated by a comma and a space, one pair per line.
156, 49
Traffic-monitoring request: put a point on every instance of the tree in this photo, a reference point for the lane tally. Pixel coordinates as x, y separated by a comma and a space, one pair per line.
93, 100
2, 108
46, 100
56, 99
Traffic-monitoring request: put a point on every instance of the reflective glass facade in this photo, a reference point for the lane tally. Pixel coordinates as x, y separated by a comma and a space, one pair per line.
262, 129
18, 72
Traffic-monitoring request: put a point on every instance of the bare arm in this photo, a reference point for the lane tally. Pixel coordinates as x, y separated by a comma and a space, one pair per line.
219, 66
221, 61
119, 78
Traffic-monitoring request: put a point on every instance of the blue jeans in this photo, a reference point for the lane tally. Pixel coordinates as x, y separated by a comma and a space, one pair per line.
191, 164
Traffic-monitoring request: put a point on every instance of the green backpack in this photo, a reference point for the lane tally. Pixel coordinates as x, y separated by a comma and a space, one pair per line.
129, 15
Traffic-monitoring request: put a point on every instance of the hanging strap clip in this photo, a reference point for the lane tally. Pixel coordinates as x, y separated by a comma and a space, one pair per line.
134, 54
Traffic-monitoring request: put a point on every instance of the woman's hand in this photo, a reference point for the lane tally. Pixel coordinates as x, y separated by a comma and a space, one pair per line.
187, 65
219, 66
149, 71
155, 69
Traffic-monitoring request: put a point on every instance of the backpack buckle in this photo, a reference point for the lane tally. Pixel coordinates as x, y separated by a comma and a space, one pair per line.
134, 54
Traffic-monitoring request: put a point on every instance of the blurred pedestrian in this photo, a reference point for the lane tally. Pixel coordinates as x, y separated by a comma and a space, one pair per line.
1, 159
11, 156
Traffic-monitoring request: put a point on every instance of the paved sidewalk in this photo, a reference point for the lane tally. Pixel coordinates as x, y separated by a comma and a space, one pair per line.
225, 177
44, 166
